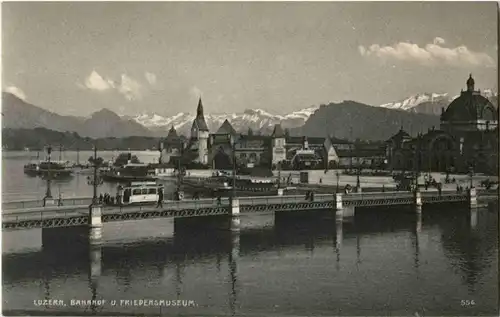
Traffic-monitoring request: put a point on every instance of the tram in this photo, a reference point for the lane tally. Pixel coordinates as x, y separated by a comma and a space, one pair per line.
138, 193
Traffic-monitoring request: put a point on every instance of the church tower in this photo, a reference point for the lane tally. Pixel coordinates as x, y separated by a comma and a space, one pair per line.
200, 133
278, 144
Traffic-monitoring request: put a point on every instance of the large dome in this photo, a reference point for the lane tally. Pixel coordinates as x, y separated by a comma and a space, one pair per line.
470, 106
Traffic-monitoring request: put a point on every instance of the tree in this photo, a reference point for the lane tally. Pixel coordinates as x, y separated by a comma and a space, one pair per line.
250, 131
287, 133
99, 161
123, 159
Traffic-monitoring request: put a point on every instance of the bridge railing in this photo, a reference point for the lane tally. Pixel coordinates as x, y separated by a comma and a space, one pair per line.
37, 214
373, 195
39, 203
169, 205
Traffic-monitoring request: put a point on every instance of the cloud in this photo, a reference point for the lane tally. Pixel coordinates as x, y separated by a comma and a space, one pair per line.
430, 55
16, 91
130, 88
438, 40
96, 82
150, 77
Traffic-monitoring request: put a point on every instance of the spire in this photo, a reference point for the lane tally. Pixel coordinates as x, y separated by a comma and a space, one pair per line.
470, 83
199, 111
199, 121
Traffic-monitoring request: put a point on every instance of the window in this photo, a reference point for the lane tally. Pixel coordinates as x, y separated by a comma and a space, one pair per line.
243, 155
152, 191
136, 191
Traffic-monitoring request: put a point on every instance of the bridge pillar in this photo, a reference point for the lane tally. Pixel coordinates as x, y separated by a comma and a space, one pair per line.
95, 263
95, 224
235, 245
472, 198
417, 201
235, 215
339, 235
418, 227
338, 207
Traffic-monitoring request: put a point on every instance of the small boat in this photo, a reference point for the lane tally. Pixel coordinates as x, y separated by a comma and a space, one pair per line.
31, 169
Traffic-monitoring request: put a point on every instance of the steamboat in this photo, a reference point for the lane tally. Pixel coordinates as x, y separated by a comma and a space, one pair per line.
56, 169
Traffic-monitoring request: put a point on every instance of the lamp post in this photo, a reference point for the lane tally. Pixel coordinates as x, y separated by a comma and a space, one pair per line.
179, 166
358, 172
48, 193
97, 180
337, 174
279, 174
471, 173
417, 161
234, 168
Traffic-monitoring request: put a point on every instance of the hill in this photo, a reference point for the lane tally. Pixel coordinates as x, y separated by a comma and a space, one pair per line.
104, 123
38, 138
353, 120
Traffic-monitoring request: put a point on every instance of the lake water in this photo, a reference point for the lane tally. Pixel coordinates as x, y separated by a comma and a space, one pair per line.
384, 262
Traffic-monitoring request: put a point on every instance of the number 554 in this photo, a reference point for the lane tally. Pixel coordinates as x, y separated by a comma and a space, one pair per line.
467, 302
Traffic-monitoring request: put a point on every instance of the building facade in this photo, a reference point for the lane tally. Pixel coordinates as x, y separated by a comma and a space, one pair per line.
226, 147
467, 139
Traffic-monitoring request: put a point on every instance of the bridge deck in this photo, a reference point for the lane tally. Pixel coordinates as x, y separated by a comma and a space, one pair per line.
71, 215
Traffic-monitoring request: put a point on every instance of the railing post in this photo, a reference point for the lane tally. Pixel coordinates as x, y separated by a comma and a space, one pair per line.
235, 214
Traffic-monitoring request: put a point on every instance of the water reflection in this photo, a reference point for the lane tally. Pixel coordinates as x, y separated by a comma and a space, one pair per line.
374, 246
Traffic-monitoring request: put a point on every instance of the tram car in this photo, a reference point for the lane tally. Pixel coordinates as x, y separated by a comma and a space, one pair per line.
138, 193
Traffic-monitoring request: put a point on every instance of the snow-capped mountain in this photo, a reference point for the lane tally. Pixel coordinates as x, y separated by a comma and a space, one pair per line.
262, 121
418, 99
432, 103
256, 119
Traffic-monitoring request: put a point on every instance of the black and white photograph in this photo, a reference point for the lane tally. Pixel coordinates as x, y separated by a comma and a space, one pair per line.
254, 158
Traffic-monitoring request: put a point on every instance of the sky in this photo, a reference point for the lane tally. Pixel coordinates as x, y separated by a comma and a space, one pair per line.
160, 57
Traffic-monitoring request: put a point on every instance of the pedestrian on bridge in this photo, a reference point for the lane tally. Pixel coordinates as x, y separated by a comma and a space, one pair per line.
160, 198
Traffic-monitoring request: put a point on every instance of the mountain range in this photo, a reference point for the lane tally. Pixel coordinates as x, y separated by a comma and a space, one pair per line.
257, 119
348, 119
18, 114
431, 103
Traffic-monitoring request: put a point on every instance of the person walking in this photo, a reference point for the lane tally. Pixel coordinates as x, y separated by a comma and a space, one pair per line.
59, 201
160, 198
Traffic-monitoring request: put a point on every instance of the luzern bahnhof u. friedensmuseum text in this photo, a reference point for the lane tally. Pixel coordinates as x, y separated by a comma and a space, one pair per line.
119, 302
